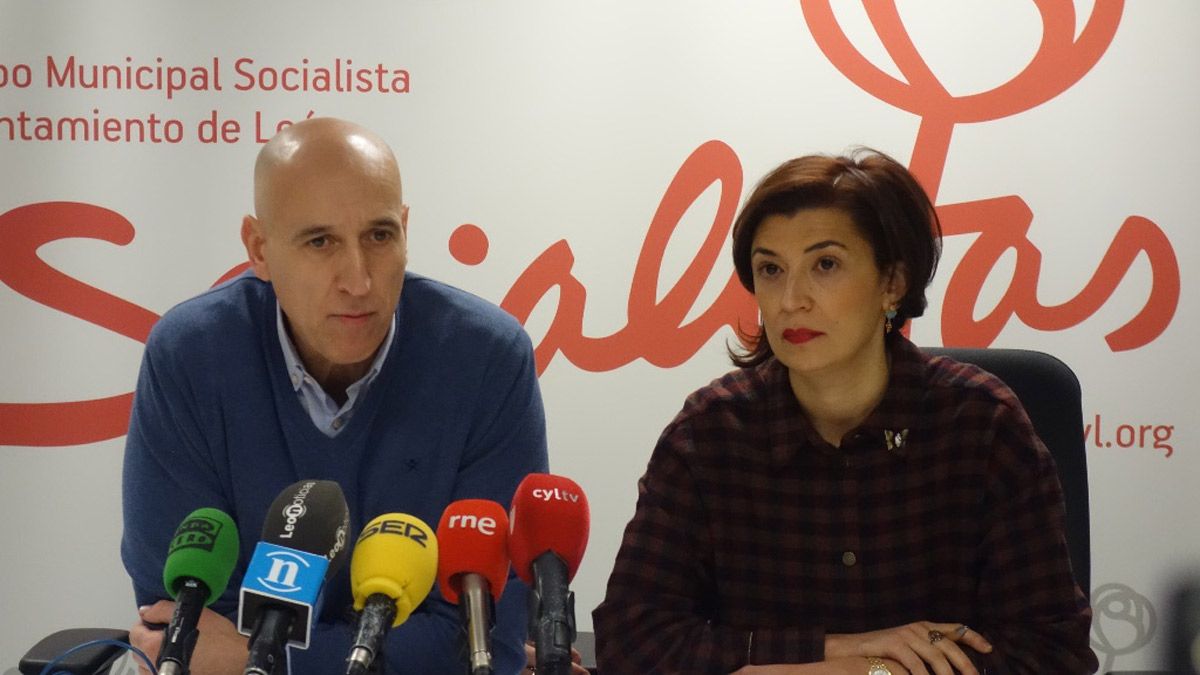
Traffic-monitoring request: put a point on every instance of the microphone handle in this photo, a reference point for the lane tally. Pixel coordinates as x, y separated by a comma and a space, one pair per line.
376, 619
268, 641
179, 637
553, 618
476, 599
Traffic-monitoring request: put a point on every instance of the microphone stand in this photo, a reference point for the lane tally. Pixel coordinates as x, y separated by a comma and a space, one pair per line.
477, 606
268, 644
551, 615
378, 613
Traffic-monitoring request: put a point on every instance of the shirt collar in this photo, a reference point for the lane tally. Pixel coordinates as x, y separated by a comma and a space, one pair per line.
295, 367
889, 426
899, 413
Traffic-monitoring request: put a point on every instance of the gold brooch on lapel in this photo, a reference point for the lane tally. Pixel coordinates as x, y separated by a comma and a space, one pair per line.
895, 439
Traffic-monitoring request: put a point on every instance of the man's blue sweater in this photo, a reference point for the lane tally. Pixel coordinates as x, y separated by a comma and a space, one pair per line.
455, 413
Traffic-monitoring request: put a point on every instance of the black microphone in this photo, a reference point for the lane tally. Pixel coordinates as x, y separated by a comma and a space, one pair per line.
303, 545
200, 560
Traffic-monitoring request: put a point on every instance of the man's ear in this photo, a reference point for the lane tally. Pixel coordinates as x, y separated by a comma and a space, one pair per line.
895, 283
253, 240
404, 219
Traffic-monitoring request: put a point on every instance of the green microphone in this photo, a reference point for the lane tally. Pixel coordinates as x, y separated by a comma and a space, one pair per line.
200, 561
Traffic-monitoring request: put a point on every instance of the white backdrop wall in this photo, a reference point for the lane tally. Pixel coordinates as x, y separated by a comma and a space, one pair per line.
595, 148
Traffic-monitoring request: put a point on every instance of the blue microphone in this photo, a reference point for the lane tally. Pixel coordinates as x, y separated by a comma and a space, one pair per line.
303, 545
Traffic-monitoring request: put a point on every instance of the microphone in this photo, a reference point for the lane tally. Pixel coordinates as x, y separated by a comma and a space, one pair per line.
303, 544
391, 572
550, 521
200, 560
473, 535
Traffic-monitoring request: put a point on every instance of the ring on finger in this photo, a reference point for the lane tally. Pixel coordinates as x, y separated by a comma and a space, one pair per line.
961, 631
936, 636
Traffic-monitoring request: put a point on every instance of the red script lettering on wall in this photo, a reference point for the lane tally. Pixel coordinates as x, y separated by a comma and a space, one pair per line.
1003, 223
24, 230
655, 330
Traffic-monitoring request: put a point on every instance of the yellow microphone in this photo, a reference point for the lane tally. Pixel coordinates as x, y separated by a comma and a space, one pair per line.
391, 571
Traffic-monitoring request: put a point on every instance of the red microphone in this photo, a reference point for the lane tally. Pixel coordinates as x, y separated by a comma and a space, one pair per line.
473, 563
550, 522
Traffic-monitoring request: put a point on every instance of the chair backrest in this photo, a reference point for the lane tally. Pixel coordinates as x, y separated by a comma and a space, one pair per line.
1050, 392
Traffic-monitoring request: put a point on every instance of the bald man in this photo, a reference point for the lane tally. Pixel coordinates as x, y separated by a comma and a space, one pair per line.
328, 360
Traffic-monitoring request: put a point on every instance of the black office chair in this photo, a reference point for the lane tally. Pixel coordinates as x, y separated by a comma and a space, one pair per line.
1049, 391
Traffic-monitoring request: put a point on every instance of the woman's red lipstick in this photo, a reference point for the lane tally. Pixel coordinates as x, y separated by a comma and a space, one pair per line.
799, 336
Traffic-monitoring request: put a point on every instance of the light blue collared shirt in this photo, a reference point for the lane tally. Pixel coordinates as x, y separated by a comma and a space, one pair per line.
324, 411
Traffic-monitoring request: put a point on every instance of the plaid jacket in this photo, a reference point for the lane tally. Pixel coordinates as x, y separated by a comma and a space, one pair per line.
942, 506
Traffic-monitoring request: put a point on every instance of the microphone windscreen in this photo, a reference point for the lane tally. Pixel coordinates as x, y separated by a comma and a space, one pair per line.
549, 513
310, 516
205, 547
473, 538
396, 555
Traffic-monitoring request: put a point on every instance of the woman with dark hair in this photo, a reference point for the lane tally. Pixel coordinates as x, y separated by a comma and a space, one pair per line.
843, 503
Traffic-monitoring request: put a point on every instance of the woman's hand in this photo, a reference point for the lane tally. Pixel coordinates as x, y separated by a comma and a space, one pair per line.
855, 665
531, 660
922, 647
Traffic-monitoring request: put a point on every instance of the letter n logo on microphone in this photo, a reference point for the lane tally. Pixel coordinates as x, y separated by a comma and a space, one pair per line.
285, 572
278, 575
285, 567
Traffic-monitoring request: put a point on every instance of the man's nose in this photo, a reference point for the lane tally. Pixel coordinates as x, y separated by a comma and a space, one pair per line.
354, 276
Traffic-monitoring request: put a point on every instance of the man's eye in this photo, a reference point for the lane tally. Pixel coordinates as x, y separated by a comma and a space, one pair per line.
318, 242
382, 235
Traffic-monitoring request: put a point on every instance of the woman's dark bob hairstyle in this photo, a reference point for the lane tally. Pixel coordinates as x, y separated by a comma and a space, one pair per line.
884, 200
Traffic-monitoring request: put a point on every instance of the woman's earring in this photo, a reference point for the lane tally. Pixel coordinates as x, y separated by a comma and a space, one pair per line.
890, 314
